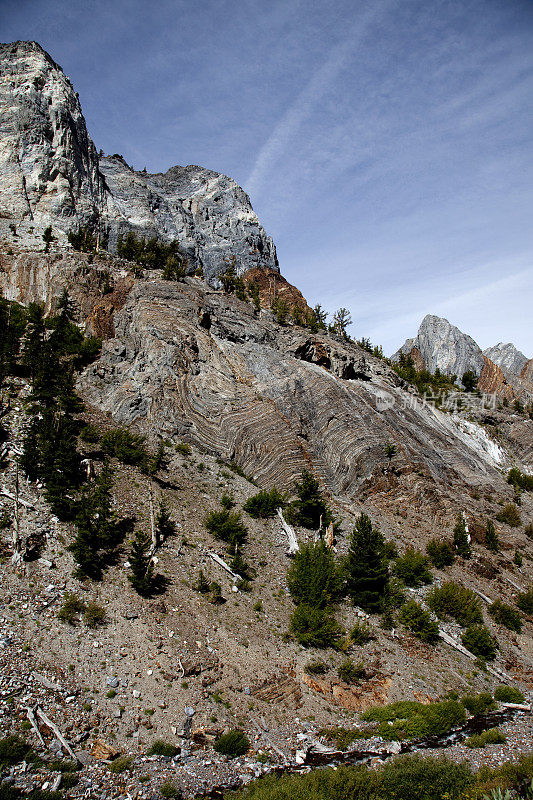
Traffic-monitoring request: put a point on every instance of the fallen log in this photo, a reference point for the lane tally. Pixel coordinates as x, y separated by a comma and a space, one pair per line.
291, 536
57, 733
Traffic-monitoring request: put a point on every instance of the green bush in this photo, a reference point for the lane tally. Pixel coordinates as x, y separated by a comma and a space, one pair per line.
342, 737
227, 501
265, 503
460, 538
170, 788
478, 703
315, 667
524, 601
478, 640
412, 568
312, 577
506, 615
508, 694
121, 764
310, 507
315, 627
72, 606
13, 750
350, 672
232, 744
228, 526
520, 480
417, 620
457, 602
412, 720
510, 515
94, 615
440, 553
490, 736
366, 566
162, 748
126, 446
361, 633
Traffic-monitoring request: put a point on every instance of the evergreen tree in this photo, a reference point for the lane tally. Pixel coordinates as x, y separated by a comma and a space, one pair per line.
460, 538
97, 527
34, 340
341, 320
142, 566
310, 505
491, 537
312, 577
469, 380
165, 525
367, 572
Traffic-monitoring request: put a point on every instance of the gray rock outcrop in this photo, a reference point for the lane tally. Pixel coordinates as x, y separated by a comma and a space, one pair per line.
444, 347
51, 174
506, 356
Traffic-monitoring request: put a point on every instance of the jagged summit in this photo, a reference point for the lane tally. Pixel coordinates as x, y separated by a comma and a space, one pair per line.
51, 174
506, 356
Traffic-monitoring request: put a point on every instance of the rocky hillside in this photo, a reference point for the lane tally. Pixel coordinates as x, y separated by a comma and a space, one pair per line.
51, 174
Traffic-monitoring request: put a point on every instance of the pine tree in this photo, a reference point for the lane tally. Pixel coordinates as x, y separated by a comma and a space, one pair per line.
341, 320
460, 538
142, 566
367, 572
491, 537
97, 532
310, 506
312, 577
165, 525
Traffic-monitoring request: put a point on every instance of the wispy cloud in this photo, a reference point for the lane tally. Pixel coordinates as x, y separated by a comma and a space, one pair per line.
290, 123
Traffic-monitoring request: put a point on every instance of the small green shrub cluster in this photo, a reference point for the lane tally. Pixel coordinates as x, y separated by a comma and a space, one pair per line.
150, 253
412, 568
510, 515
265, 503
490, 736
524, 601
315, 667
343, 738
13, 750
361, 633
162, 748
227, 526
315, 627
478, 703
312, 577
440, 553
409, 719
121, 764
350, 672
457, 602
478, 640
417, 620
508, 694
232, 744
520, 480
93, 614
128, 447
506, 615
170, 789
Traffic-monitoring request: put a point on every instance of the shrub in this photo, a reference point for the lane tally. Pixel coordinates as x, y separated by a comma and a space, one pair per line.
361, 633
506, 615
440, 553
412, 568
312, 577
170, 788
524, 601
202, 584
228, 526
71, 608
121, 764
265, 503
417, 620
315, 627
183, 449
409, 719
478, 640
232, 744
457, 602
520, 480
342, 737
491, 537
490, 736
310, 507
461, 541
162, 748
227, 501
126, 446
510, 515
315, 667
508, 694
478, 703
350, 672
13, 750
89, 434
94, 615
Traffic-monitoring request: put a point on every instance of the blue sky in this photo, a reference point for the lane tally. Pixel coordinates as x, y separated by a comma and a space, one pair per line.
386, 144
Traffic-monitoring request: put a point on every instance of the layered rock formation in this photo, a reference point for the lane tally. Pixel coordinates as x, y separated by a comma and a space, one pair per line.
50, 174
510, 360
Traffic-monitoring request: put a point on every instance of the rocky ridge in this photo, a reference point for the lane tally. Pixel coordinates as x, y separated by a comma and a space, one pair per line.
51, 174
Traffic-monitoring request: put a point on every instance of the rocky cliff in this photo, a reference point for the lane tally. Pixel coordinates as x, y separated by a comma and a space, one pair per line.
506, 356
51, 174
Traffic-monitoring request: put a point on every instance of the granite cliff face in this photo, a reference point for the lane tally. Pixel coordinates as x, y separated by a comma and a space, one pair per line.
51, 174
510, 360
443, 346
